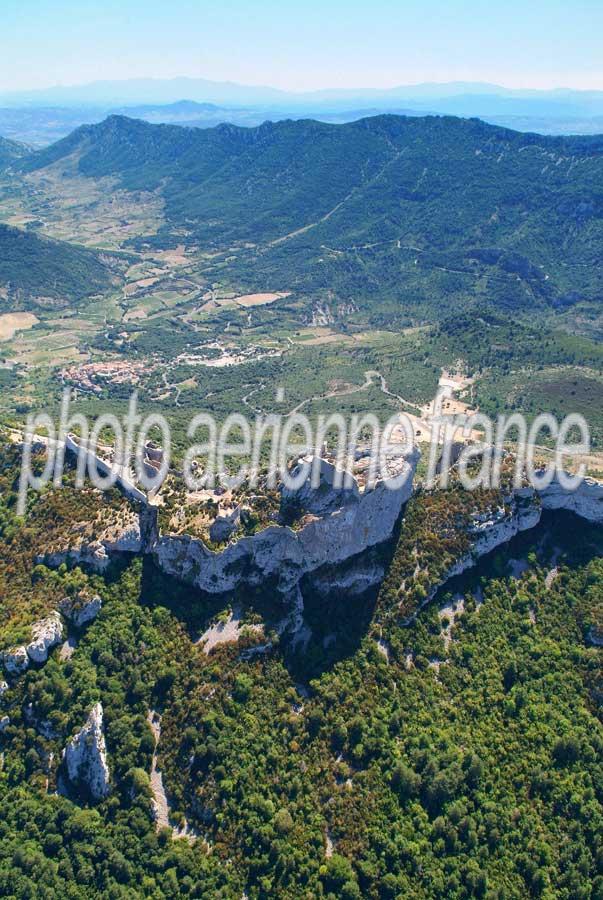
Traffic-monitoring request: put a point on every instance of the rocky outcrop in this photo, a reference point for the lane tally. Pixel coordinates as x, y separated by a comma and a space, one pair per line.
224, 526
92, 555
3, 688
522, 511
4, 723
85, 756
15, 660
124, 537
46, 634
81, 609
586, 501
323, 499
353, 521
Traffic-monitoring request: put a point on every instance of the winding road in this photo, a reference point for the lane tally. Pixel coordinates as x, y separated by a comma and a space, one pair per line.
370, 376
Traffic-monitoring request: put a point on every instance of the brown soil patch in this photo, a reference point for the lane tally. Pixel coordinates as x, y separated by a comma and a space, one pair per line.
10, 323
249, 300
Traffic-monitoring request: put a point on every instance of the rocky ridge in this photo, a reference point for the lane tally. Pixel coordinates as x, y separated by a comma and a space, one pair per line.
523, 511
342, 524
96, 554
85, 756
327, 551
46, 634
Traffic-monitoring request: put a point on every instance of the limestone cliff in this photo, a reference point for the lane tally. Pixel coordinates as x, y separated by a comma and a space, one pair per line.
85, 756
586, 501
524, 511
120, 536
15, 660
326, 549
338, 525
80, 610
46, 634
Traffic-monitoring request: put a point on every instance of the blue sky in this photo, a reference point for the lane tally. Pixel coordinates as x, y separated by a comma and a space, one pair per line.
518, 43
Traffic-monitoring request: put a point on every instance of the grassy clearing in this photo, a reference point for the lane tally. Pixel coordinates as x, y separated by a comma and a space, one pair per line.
10, 323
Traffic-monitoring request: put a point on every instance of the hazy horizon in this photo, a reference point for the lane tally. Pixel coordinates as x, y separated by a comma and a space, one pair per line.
544, 46
324, 88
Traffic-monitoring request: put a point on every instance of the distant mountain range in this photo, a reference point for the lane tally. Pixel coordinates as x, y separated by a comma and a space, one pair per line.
42, 116
475, 96
41, 126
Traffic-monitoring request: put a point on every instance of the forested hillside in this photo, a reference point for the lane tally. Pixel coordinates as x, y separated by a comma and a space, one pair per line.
386, 207
10, 151
455, 756
37, 272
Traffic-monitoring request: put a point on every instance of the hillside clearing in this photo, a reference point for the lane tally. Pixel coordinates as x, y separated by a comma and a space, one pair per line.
10, 323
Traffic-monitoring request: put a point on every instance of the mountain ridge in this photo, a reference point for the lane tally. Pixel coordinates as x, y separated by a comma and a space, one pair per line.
370, 207
153, 90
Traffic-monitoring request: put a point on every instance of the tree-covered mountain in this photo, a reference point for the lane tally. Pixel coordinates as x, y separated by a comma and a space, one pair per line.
38, 272
455, 756
443, 750
11, 151
381, 206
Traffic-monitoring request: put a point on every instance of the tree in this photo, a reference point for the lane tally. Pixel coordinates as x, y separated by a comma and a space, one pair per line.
283, 821
336, 872
566, 750
405, 781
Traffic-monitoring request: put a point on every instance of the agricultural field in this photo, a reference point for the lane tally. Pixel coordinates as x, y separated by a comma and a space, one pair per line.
11, 323
63, 204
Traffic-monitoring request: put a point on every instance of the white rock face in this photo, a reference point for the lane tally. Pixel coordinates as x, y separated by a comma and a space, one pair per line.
80, 610
351, 580
325, 498
586, 501
4, 723
339, 526
3, 688
85, 756
224, 525
46, 634
347, 524
526, 511
92, 555
365, 520
125, 539
15, 661
490, 532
